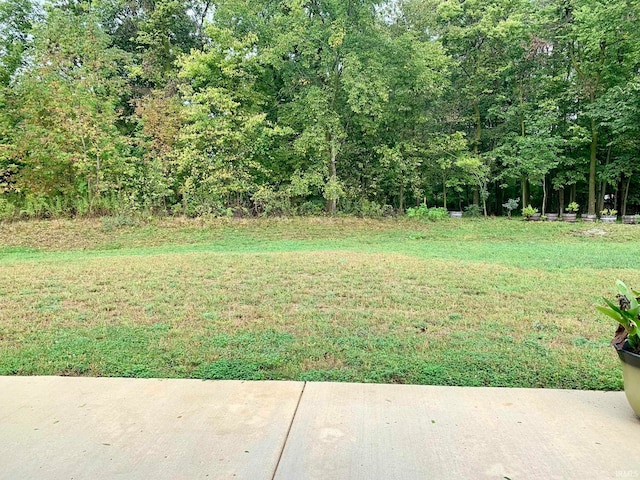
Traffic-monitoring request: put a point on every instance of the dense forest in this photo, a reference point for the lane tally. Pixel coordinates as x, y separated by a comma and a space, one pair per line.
271, 107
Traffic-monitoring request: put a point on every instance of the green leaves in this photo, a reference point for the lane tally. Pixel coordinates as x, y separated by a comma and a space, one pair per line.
173, 103
67, 140
633, 307
626, 313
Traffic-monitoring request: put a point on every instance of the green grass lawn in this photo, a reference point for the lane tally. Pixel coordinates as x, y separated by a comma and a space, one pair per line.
461, 302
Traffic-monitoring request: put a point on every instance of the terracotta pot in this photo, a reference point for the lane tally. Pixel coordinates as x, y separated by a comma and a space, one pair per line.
631, 376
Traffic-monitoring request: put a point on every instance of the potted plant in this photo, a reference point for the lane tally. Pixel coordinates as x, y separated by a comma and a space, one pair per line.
629, 219
627, 339
608, 215
572, 208
530, 213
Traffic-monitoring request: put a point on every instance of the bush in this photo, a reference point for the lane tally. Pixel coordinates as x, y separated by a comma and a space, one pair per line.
573, 207
472, 211
432, 214
8, 210
312, 208
269, 202
388, 211
351, 204
34, 207
512, 204
370, 209
529, 211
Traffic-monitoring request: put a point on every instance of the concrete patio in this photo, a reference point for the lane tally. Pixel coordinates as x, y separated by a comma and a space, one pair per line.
104, 428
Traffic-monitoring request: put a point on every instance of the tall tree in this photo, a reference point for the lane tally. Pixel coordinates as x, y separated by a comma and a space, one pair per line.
226, 133
16, 17
599, 44
67, 141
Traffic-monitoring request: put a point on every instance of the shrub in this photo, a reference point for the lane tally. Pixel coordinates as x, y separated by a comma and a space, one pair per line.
432, 214
512, 204
312, 208
573, 207
388, 211
472, 211
34, 207
370, 209
529, 211
269, 202
8, 210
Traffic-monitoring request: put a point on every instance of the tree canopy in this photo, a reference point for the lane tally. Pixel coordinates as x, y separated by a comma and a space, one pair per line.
309, 106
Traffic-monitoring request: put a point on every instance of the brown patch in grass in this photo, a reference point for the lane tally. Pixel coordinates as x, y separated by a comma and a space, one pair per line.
328, 361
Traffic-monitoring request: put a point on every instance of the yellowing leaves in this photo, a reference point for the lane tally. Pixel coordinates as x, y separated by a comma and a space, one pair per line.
337, 36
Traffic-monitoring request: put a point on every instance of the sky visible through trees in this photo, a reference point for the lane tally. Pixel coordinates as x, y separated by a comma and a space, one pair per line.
309, 106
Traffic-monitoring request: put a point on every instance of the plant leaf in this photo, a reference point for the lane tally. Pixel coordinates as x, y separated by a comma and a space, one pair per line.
627, 292
615, 315
614, 307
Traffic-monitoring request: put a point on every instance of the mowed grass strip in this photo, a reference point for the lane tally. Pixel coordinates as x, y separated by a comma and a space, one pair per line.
375, 302
114, 234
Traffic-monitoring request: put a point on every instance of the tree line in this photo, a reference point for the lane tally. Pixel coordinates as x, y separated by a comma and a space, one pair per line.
308, 106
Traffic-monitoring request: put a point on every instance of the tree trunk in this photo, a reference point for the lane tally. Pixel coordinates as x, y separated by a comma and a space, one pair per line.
625, 195
478, 132
602, 191
499, 200
401, 197
544, 194
484, 199
476, 145
525, 192
561, 201
89, 195
444, 191
592, 169
98, 167
333, 174
572, 193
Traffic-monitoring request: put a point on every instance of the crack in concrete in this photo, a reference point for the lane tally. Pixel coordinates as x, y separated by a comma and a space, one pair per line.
286, 438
